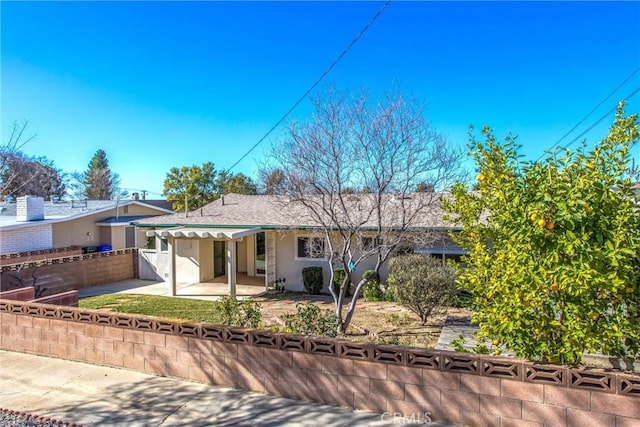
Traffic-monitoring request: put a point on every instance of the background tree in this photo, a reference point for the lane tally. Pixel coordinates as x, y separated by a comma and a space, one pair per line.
33, 176
9, 151
191, 187
98, 179
553, 248
272, 181
355, 142
238, 183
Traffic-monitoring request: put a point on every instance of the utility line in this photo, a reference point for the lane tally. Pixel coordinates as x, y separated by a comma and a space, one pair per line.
599, 120
313, 86
591, 112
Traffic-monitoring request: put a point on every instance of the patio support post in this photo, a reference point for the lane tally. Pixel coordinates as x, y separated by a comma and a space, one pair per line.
171, 241
231, 264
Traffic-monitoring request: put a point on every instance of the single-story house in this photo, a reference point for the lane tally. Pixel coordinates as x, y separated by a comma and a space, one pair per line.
31, 224
249, 237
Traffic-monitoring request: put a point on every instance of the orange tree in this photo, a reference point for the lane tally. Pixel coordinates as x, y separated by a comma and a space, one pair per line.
553, 248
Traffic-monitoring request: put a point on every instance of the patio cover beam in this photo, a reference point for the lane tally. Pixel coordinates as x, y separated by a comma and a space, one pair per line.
204, 233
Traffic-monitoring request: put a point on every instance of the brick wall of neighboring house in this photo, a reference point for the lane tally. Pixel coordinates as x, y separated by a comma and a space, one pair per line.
21, 294
58, 275
69, 298
470, 389
30, 256
32, 238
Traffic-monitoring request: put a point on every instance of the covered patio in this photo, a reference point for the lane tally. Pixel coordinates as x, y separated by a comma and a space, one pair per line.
207, 261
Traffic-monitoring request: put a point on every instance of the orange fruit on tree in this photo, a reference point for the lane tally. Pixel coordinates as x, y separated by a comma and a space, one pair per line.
554, 287
542, 222
550, 225
481, 178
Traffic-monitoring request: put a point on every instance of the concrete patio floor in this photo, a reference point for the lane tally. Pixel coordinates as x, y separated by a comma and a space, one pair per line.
208, 291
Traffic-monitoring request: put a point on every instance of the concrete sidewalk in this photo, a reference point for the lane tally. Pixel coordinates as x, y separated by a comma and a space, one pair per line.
96, 395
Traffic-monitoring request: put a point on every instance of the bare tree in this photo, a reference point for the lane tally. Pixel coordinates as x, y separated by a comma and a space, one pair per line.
352, 169
20, 281
10, 152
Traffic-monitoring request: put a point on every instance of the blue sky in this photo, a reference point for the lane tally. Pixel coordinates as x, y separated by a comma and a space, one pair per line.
163, 84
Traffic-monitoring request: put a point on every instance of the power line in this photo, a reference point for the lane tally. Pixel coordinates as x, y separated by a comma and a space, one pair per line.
591, 112
313, 86
596, 122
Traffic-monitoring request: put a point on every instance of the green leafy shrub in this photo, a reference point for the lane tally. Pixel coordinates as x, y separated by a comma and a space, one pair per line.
553, 247
338, 277
309, 319
372, 291
421, 283
243, 314
463, 299
312, 278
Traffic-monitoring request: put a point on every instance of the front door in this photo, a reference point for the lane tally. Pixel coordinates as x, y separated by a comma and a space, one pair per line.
219, 258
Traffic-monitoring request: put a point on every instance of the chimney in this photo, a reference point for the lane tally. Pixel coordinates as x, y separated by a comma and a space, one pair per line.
30, 208
135, 196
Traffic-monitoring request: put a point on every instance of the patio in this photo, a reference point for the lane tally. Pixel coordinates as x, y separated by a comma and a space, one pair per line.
211, 290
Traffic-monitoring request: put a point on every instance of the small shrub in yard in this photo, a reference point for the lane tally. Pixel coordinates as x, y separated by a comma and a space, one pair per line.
397, 319
312, 279
372, 291
309, 319
243, 314
338, 277
422, 284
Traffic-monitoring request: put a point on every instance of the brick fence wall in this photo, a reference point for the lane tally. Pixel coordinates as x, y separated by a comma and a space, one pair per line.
456, 387
72, 272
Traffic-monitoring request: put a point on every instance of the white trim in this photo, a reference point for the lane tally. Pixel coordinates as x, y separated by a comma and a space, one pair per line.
204, 233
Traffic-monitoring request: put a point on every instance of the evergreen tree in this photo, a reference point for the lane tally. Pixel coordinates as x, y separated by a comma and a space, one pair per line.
98, 178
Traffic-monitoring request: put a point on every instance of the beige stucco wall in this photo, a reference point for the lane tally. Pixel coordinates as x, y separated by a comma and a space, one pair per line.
187, 260
206, 259
84, 231
81, 232
290, 268
241, 255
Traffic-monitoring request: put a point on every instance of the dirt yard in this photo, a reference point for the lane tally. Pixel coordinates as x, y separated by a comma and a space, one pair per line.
384, 322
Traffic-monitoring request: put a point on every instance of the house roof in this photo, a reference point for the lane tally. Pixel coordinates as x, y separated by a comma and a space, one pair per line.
66, 210
266, 211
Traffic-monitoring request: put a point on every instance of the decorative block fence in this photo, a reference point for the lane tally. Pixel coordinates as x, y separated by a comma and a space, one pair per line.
424, 384
72, 272
30, 256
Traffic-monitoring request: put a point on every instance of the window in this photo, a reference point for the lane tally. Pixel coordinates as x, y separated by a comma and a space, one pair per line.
309, 247
371, 243
164, 245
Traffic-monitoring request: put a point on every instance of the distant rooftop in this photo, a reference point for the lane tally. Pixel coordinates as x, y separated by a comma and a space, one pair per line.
55, 211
